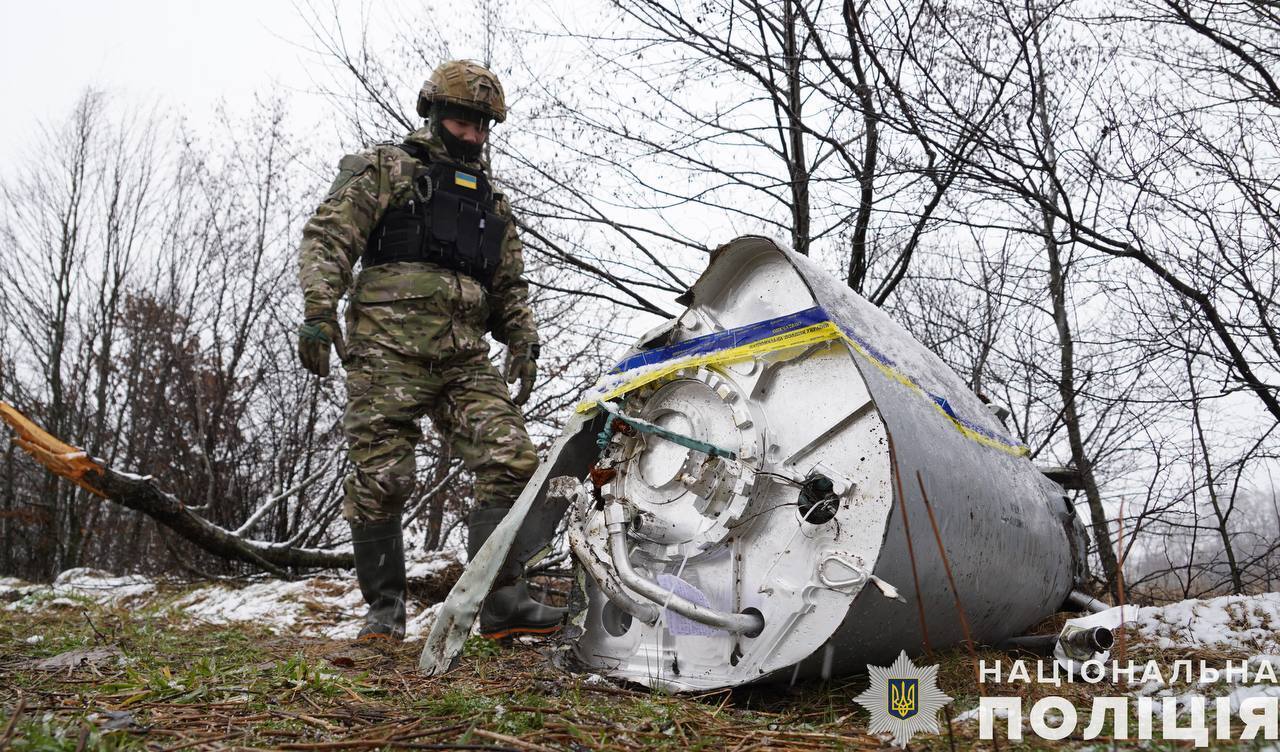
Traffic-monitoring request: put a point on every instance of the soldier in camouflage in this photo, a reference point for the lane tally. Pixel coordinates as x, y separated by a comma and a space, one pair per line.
441, 265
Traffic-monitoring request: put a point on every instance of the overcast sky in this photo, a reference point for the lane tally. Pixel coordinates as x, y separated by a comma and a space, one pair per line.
183, 54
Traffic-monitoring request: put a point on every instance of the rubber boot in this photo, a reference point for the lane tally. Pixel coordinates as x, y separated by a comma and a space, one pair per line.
509, 611
379, 549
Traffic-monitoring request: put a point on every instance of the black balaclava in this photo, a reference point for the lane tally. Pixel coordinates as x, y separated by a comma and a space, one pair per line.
457, 148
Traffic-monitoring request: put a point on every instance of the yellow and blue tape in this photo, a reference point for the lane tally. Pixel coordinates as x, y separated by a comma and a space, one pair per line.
796, 330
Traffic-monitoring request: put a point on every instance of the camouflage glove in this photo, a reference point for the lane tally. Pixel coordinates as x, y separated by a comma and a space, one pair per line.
316, 335
522, 363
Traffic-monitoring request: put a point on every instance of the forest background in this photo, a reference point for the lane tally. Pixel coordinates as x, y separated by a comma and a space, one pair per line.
1076, 206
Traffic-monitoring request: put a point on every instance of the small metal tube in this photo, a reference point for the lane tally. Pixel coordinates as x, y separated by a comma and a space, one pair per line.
1086, 602
645, 612
615, 521
1090, 640
1033, 643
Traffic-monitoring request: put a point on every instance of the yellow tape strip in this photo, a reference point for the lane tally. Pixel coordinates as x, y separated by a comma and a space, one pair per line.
1016, 450
809, 335
824, 332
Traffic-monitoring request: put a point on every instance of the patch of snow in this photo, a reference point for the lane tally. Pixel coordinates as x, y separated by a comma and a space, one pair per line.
103, 586
305, 607
423, 565
419, 625
1246, 622
330, 607
347, 629
13, 589
319, 607
1244, 692
1228, 623
74, 586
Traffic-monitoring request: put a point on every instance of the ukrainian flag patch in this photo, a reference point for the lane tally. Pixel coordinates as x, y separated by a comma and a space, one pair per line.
464, 180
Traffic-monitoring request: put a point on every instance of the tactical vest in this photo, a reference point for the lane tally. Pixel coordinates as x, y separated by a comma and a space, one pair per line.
451, 220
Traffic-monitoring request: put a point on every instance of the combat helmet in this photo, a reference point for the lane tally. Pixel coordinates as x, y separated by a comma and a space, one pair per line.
465, 83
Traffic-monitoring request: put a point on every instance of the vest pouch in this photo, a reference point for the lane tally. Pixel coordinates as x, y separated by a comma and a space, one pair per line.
398, 237
469, 219
444, 217
495, 229
456, 228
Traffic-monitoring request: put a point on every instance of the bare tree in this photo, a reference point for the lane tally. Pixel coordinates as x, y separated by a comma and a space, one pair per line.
149, 290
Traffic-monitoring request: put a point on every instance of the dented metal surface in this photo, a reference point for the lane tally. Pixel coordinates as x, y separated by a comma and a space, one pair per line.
755, 558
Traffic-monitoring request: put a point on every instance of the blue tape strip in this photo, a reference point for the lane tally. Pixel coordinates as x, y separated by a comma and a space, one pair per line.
742, 335
946, 408
937, 399
762, 330
884, 360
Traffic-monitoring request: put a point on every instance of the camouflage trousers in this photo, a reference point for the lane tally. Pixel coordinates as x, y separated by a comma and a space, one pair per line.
389, 392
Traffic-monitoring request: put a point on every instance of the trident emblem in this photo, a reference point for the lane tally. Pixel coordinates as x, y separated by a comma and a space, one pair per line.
902, 697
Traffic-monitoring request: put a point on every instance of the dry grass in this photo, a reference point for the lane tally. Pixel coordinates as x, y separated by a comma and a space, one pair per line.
179, 687
204, 688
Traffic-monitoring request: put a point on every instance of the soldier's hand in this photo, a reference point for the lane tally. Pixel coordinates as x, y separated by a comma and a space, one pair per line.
315, 336
522, 364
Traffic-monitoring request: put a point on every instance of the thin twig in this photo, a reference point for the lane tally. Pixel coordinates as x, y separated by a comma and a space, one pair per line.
13, 722
946, 566
516, 743
911, 553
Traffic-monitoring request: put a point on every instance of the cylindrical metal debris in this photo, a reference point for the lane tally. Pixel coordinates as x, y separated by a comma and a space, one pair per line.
752, 499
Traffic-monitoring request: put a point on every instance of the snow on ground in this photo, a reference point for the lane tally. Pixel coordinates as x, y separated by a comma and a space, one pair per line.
76, 586
1245, 625
312, 608
319, 607
426, 565
329, 607
1233, 622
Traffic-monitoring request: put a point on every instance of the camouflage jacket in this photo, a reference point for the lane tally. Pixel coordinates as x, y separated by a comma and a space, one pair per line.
335, 237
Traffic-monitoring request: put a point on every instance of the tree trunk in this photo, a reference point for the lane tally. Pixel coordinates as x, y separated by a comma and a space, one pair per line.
795, 104
1066, 342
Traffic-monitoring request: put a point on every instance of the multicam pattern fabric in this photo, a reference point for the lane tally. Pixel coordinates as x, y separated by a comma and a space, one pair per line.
415, 341
335, 237
466, 83
467, 401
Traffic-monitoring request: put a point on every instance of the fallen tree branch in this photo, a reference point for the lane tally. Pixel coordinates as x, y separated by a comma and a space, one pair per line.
143, 495
270, 504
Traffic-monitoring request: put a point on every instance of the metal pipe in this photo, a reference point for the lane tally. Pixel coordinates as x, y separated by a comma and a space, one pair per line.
616, 522
645, 612
1089, 640
1086, 602
1043, 644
